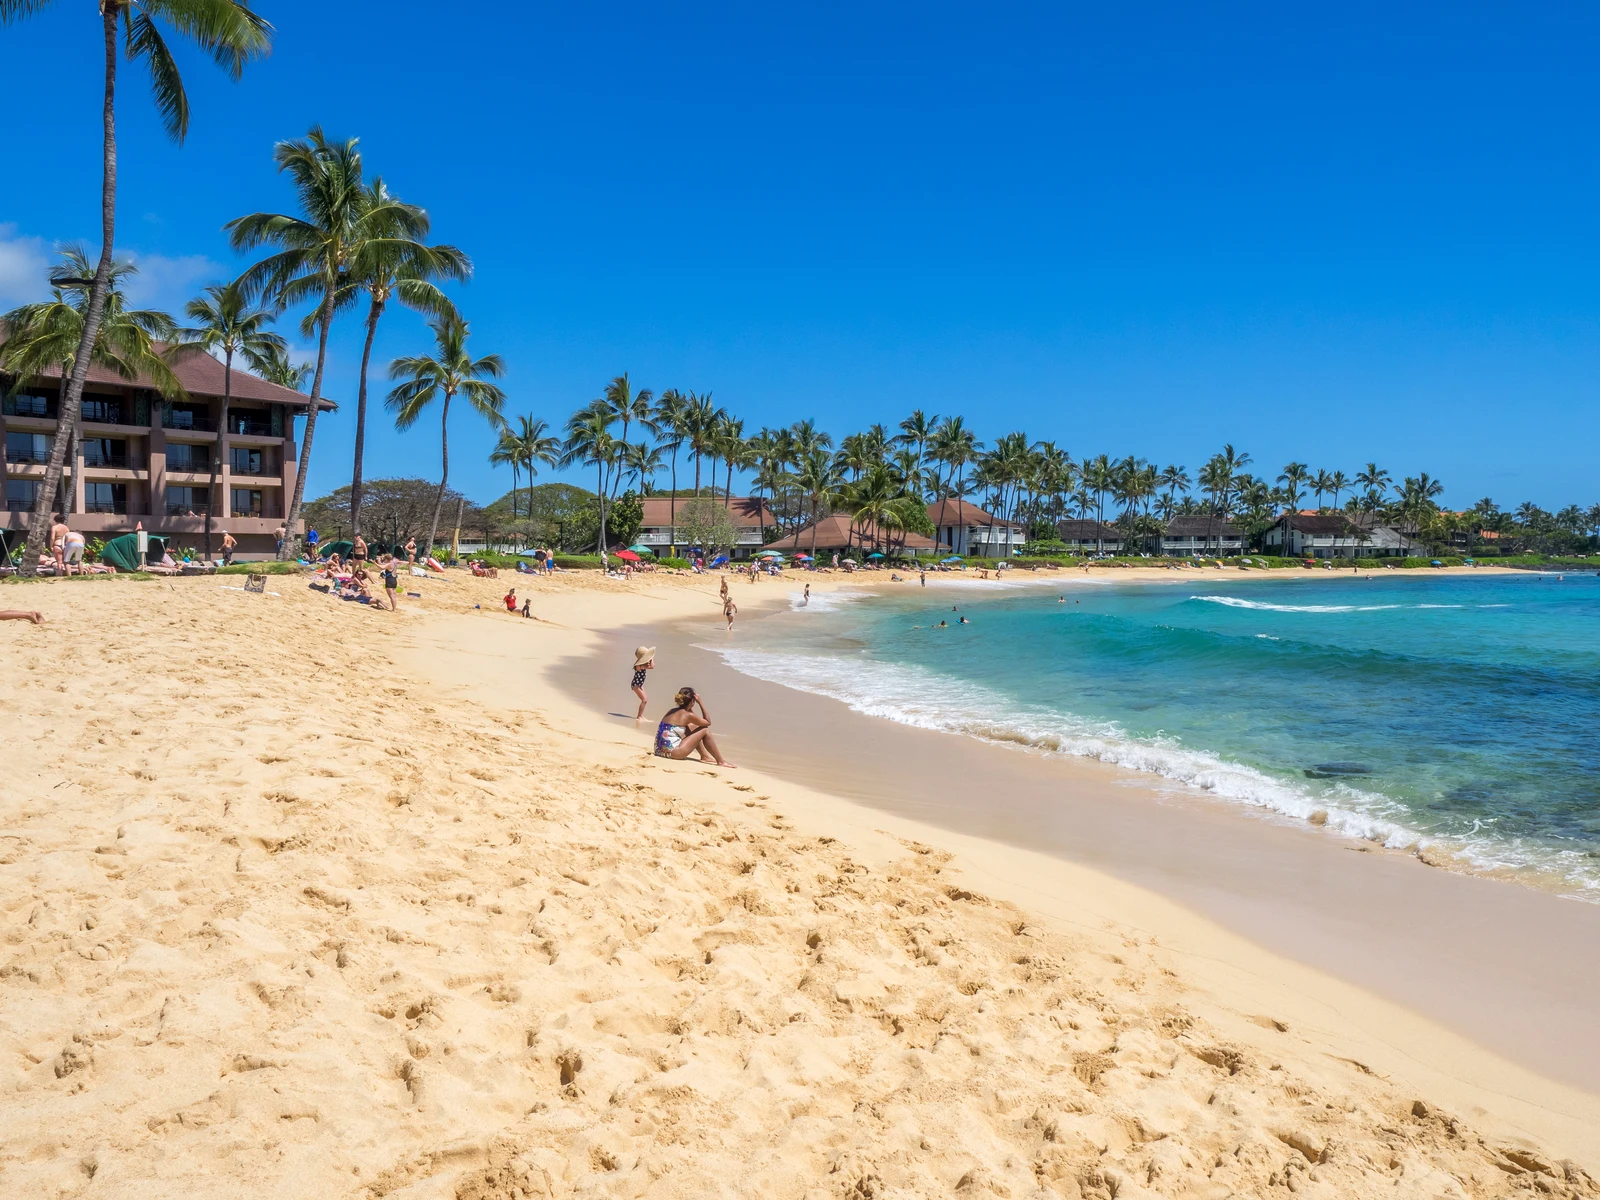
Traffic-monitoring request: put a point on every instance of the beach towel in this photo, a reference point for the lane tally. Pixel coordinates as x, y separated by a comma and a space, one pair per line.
435, 565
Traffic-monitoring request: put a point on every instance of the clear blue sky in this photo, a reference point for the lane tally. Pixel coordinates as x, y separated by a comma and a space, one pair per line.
1359, 232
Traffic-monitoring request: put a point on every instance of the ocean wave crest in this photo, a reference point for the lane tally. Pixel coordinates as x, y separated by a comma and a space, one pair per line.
1264, 606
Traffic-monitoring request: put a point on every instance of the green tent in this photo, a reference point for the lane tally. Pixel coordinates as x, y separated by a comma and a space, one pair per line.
342, 549
123, 552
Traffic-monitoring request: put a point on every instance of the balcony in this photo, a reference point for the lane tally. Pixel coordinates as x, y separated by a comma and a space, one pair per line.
186, 510
14, 505
27, 457
114, 462
118, 507
194, 466
249, 428
259, 470
187, 421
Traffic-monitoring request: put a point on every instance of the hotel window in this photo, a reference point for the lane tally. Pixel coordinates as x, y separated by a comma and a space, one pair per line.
183, 457
105, 452
249, 421
243, 460
246, 502
186, 501
27, 447
25, 405
20, 494
105, 497
99, 408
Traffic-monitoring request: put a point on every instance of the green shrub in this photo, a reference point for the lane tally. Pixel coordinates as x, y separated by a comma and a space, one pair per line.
261, 568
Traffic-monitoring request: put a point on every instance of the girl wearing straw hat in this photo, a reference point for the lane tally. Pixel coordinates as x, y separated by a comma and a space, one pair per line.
644, 659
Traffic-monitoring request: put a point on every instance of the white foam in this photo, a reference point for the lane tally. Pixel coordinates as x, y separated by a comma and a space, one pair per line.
1263, 606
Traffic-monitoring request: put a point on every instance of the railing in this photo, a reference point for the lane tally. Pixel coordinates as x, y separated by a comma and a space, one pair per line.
116, 462
18, 505
104, 416
29, 406
260, 470
187, 510
27, 456
118, 507
195, 466
187, 420
254, 514
250, 428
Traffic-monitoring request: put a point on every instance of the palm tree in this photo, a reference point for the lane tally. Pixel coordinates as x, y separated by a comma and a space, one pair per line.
522, 446
392, 262
642, 461
702, 423
1099, 477
1320, 482
1293, 479
589, 440
733, 450
630, 406
276, 368
670, 416
444, 375
819, 479
1337, 482
233, 36
915, 431
226, 323
47, 335
1373, 479
317, 251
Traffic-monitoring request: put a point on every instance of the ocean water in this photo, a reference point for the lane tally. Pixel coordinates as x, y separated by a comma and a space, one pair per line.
1456, 714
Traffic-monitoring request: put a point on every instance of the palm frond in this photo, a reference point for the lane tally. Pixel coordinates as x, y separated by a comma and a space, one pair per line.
166, 85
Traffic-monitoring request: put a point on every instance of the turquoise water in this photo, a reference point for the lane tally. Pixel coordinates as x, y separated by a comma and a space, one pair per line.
1456, 713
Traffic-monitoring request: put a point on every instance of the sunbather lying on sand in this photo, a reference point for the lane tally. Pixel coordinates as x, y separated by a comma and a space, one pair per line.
16, 614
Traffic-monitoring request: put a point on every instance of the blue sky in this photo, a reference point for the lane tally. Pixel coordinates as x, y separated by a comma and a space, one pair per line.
1355, 232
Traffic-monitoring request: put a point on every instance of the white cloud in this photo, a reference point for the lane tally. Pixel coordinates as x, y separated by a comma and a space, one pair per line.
169, 283
23, 263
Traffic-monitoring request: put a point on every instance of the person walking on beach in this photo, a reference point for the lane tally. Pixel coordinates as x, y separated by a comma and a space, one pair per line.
358, 549
684, 731
644, 659
391, 583
228, 543
924, 576
729, 608
411, 551
311, 544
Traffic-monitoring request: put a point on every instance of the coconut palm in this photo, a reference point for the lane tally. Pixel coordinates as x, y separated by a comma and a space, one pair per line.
630, 406
47, 335
819, 480
670, 415
1292, 481
233, 36
227, 324
1320, 482
1337, 482
276, 368
522, 446
316, 254
392, 262
915, 431
702, 424
641, 462
1374, 480
451, 371
591, 442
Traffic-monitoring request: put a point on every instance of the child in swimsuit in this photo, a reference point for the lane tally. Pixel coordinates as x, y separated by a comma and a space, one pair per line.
644, 659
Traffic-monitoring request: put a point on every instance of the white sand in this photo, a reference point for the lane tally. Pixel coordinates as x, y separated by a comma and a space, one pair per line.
303, 900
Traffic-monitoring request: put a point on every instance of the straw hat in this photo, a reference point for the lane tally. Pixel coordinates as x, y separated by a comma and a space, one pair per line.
643, 655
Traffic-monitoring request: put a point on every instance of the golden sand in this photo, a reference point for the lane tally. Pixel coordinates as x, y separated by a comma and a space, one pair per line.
289, 913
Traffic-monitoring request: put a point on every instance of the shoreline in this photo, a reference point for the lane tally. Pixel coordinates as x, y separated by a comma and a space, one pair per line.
321, 900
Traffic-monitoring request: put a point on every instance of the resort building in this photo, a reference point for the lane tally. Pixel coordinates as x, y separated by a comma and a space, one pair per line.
749, 514
136, 459
1335, 535
1090, 535
839, 534
1202, 535
968, 530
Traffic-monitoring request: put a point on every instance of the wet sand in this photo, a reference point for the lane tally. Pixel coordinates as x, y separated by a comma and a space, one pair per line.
1512, 968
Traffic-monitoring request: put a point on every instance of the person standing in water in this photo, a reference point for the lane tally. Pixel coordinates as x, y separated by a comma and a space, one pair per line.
644, 659
805, 599
729, 608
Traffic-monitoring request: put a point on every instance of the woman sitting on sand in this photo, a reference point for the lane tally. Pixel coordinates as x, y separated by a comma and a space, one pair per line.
683, 731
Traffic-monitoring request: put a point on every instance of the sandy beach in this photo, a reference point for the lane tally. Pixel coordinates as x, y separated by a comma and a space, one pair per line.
301, 899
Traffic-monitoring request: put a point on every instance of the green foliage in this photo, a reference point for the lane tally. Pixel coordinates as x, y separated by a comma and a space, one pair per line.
261, 568
624, 518
707, 524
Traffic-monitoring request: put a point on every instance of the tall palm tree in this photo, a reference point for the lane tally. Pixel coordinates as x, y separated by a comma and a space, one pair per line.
1320, 482
1337, 482
590, 441
702, 423
915, 431
277, 368
1099, 477
229, 32
521, 447
670, 416
47, 335
642, 462
1374, 479
819, 479
226, 323
449, 372
630, 406
316, 253
1292, 480
391, 261
733, 450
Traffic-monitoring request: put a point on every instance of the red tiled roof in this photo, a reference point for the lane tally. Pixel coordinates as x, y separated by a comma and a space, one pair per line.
747, 512
959, 512
837, 533
201, 375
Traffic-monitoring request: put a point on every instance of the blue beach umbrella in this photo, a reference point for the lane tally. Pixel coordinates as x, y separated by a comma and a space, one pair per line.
952, 558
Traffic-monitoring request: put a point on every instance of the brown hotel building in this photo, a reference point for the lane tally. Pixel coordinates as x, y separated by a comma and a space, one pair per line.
138, 459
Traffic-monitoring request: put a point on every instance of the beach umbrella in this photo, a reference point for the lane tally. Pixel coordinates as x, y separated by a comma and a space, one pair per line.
952, 558
627, 556
719, 560
851, 561
641, 549
803, 557
875, 554
770, 554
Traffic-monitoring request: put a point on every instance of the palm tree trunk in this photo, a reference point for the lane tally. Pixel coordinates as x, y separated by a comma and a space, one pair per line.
444, 471
600, 495
290, 538
672, 507
373, 313
71, 402
216, 459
